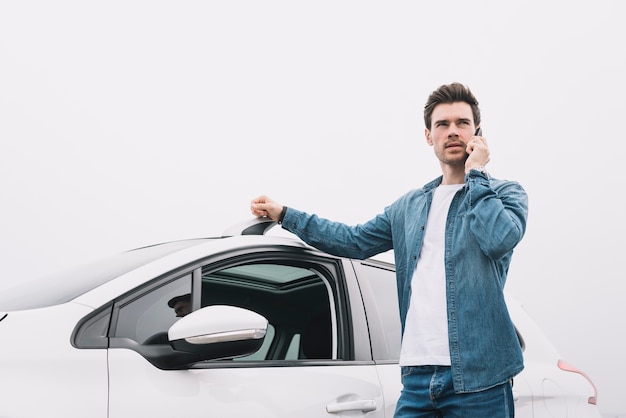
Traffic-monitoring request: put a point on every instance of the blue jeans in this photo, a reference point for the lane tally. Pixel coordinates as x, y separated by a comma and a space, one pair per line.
427, 392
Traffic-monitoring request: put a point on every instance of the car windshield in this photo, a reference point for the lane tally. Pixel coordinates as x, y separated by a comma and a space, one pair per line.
67, 285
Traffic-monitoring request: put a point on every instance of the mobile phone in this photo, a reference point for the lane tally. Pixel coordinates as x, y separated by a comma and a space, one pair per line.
478, 132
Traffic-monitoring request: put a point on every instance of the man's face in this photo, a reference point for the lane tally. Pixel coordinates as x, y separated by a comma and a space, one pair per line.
452, 126
182, 308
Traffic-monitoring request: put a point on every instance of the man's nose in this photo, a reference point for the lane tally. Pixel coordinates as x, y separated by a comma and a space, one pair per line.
453, 131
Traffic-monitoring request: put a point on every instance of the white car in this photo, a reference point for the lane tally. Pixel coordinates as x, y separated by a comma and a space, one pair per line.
245, 325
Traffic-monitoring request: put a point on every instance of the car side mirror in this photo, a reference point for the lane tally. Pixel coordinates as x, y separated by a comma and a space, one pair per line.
219, 331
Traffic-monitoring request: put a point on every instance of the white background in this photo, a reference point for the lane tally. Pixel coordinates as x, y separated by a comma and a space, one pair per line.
127, 123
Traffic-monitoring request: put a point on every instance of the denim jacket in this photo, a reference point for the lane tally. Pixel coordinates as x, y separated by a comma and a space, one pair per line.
486, 220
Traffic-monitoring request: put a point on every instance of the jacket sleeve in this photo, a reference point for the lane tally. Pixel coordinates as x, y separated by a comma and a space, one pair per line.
498, 214
360, 241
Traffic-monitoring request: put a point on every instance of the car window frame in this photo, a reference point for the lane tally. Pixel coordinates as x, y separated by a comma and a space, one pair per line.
339, 271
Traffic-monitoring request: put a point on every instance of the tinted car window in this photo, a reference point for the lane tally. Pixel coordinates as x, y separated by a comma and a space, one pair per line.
147, 319
380, 294
298, 300
295, 301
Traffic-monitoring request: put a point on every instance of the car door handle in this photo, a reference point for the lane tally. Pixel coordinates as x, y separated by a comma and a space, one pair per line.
364, 406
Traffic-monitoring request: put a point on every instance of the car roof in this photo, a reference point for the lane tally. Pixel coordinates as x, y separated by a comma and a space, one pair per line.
87, 283
190, 251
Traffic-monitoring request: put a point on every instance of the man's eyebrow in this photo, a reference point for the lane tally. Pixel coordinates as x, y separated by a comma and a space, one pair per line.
447, 120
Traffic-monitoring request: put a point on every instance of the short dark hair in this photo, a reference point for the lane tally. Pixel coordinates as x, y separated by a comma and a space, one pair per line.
451, 93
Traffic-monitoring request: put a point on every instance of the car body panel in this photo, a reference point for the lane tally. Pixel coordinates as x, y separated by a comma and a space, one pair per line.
42, 374
265, 391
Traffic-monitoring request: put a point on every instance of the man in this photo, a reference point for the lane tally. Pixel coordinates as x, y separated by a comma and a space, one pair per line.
453, 240
181, 305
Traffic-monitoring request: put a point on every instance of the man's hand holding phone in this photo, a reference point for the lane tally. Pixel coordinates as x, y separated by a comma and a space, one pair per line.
478, 152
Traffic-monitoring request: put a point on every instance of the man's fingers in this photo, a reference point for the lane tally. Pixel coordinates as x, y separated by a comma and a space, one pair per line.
262, 206
257, 206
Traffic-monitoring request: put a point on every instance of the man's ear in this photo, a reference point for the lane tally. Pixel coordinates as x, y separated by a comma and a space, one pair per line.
428, 138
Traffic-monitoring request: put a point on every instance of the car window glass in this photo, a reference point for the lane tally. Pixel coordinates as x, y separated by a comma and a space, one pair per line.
296, 301
147, 319
385, 294
293, 352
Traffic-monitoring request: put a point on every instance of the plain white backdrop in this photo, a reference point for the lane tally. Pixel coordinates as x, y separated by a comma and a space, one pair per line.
127, 123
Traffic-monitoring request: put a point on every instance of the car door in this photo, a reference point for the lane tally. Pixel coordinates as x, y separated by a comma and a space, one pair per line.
315, 359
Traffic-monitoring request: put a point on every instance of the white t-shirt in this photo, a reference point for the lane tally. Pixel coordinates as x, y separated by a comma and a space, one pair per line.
425, 339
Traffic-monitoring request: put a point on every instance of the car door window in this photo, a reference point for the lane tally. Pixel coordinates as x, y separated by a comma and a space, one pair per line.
297, 301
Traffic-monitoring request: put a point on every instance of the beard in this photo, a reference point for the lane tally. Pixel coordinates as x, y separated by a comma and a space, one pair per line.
455, 157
